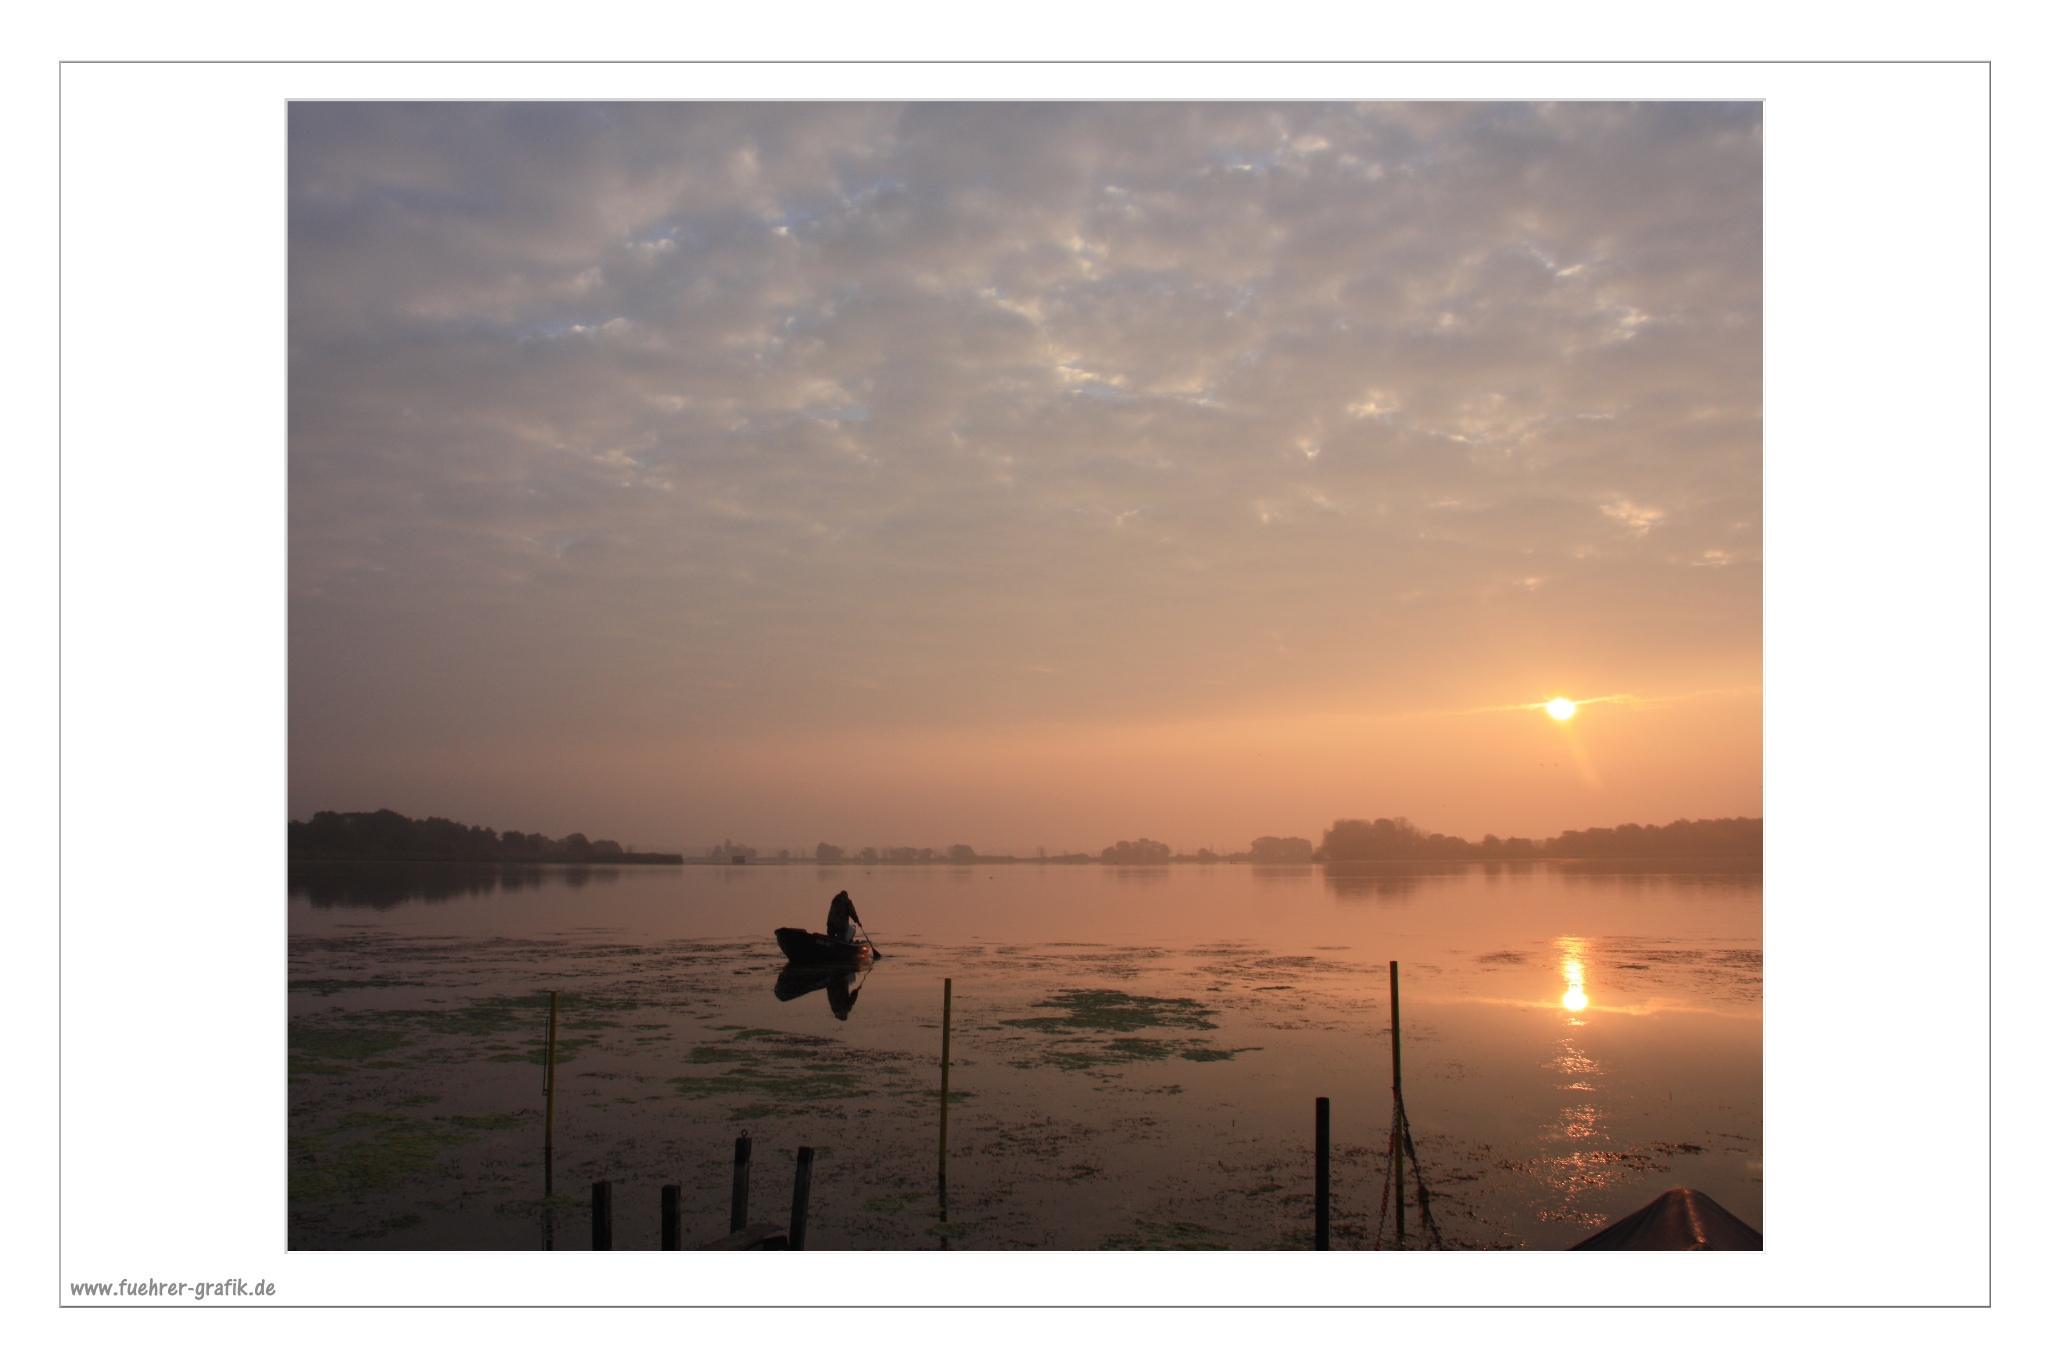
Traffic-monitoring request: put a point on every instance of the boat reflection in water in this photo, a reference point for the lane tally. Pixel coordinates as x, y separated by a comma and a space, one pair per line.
840, 984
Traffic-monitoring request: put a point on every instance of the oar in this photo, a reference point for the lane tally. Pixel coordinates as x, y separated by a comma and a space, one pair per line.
870, 942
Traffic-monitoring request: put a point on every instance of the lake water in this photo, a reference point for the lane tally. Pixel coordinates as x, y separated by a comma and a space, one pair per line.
1136, 1052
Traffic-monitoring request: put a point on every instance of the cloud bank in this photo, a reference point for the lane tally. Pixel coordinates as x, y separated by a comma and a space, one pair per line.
655, 436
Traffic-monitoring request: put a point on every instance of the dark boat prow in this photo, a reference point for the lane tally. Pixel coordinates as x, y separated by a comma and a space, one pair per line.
1676, 1220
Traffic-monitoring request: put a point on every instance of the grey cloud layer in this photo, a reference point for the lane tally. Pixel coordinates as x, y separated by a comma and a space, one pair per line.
678, 419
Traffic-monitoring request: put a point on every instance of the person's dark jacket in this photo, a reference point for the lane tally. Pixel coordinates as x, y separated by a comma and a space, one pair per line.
839, 921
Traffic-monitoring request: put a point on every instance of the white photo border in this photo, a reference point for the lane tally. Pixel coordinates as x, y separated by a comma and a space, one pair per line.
1876, 460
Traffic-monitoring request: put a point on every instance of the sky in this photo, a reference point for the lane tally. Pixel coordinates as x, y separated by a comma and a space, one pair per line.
1024, 475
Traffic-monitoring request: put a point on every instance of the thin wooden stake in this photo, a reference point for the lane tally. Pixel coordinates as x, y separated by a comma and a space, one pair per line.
547, 1085
742, 1170
800, 1206
945, 1087
601, 1215
1322, 1173
671, 1217
1400, 1195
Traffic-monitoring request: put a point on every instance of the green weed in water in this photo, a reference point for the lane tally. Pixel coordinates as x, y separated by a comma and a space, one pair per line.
368, 1152
1099, 1011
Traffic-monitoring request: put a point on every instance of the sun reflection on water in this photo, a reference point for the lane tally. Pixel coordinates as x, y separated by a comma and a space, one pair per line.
1574, 997
1579, 1163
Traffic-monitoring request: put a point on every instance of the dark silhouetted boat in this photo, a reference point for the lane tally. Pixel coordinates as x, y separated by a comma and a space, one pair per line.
806, 949
1676, 1220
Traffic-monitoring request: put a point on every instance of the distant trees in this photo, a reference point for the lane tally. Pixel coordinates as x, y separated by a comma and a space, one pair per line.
1274, 849
1400, 840
1137, 851
1384, 839
907, 854
1387, 839
1680, 838
387, 836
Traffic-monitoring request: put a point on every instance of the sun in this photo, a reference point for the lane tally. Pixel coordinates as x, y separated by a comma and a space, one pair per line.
1561, 708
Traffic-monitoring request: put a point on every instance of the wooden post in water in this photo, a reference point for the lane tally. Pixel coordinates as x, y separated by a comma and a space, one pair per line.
945, 1087
742, 1170
601, 1215
1400, 1112
547, 1085
1322, 1173
671, 1217
800, 1206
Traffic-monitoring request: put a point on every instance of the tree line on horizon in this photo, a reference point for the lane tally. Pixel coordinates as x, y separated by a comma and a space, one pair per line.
385, 835
1401, 840
1394, 839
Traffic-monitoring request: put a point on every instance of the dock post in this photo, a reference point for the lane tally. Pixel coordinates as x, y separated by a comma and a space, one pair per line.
601, 1215
671, 1217
800, 1206
1322, 1173
1400, 1112
742, 1171
547, 1085
945, 1086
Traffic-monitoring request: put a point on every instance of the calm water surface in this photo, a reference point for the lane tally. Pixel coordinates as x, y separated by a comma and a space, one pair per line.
1135, 1052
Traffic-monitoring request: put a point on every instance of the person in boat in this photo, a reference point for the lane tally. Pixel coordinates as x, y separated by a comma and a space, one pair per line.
840, 919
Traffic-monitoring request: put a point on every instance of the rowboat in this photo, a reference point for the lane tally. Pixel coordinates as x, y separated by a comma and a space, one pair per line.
806, 949
1676, 1220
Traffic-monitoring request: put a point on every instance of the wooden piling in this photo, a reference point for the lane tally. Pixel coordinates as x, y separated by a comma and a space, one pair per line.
800, 1205
601, 1215
671, 1217
1322, 1173
742, 1171
1400, 1112
547, 1085
945, 1083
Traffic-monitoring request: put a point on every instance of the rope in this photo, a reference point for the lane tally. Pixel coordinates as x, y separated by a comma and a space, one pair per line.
1386, 1184
1436, 1237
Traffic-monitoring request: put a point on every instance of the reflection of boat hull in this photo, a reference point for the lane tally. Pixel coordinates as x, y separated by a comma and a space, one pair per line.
840, 983
794, 981
806, 949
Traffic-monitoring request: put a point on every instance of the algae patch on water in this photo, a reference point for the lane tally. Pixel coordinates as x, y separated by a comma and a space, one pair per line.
1173, 1235
367, 1152
1072, 1015
1104, 1011
771, 1069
